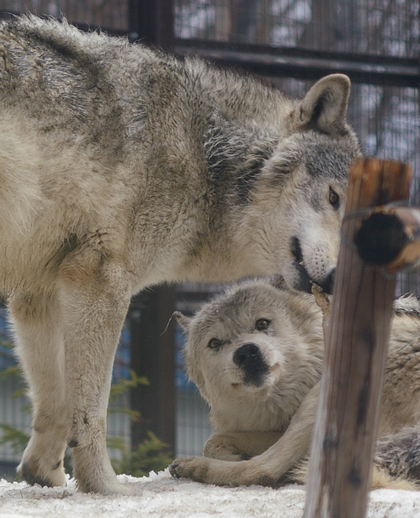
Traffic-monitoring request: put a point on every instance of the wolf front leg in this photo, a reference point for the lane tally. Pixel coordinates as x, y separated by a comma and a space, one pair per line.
40, 346
235, 446
267, 469
95, 304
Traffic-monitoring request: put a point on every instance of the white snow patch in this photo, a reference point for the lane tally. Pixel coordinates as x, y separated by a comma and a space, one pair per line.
159, 495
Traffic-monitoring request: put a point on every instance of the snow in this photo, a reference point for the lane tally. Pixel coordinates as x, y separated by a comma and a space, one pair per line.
159, 495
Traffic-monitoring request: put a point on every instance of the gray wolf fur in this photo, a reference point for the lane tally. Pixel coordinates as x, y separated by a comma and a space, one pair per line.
120, 168
256, 353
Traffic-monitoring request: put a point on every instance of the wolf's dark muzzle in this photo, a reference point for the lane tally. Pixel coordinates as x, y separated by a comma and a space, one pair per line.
250, 359
247, 356
305, 281
328, 284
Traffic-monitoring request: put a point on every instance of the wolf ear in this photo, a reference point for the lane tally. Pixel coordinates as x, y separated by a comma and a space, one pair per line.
278, 282
324, 107
182, 320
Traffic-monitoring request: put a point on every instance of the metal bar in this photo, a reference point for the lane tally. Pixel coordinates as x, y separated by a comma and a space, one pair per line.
153, 356
152, 21
305, 64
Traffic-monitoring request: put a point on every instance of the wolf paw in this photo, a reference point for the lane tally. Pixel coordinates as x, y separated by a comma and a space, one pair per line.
221, 472
43, 460
93, 471
194, 468
32, 473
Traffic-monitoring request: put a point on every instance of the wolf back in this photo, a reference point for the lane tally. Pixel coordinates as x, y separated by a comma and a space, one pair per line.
123, 167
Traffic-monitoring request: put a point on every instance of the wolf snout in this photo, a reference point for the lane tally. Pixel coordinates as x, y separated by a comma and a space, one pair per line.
306, 279
248, 355
250, 359
328, 284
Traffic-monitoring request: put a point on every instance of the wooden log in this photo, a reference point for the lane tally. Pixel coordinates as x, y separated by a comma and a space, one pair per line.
355, 355
390, 238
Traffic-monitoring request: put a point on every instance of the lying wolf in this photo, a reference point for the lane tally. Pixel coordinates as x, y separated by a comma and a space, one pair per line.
120, 168
256, 353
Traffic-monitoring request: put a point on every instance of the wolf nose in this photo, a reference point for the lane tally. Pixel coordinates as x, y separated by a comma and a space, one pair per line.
247, 355
328, 283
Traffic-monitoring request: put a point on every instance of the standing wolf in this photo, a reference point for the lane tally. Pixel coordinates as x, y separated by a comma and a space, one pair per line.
256, 353
120, 168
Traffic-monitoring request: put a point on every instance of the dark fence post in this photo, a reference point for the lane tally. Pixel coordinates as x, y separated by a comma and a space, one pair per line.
153, 356
152, 342
152, 21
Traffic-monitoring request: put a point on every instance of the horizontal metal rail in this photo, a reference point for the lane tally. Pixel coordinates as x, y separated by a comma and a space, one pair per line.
294, 62
306, 64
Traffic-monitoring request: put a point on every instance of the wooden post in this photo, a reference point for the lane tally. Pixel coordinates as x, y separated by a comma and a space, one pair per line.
390, 238
355, 354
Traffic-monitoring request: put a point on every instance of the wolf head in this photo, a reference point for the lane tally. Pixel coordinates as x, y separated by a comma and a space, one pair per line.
299, 197
250, 343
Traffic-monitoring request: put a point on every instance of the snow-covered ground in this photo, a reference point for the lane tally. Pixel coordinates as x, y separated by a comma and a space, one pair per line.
161, 496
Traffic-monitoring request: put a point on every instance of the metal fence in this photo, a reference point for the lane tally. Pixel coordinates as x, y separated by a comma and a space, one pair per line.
104, 13
370, 27
291, 43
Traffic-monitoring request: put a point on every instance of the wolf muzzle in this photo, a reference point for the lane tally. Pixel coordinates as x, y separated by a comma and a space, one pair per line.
305, 280
250, 359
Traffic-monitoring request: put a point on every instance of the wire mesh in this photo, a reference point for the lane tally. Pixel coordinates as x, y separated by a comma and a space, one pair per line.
103, 13
373, 27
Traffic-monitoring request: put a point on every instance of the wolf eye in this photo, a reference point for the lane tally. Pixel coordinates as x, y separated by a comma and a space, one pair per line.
334, 198
214, 343
262, 324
